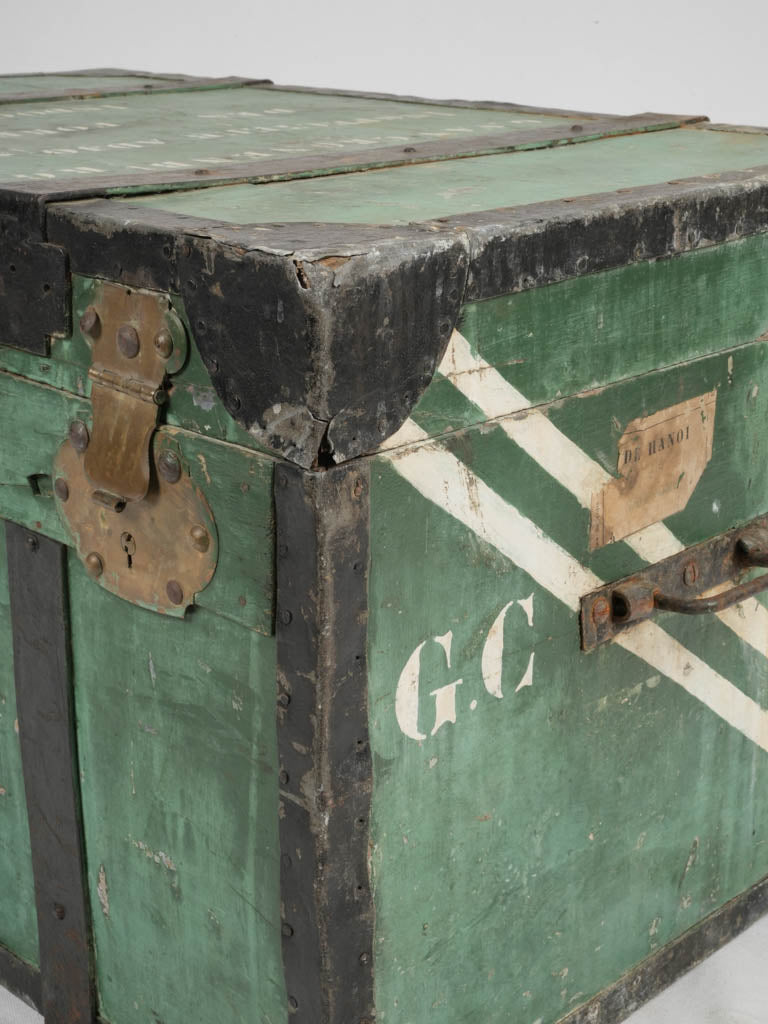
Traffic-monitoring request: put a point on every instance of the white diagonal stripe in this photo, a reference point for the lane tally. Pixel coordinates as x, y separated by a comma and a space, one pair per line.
448, 483
573, 468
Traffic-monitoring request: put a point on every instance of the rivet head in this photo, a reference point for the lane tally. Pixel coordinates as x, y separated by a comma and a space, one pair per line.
286, 616
94, 565
293, 1002
90, 323
365, 958
601, 609
59, 911
287, 930
283, 776
164, 343
690, 574
78, 435
200, 539
174, 592
284, 699
128, 341
32, 542
61, 488
169, 467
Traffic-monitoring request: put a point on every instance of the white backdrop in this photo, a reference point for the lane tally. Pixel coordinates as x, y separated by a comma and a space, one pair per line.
706, 57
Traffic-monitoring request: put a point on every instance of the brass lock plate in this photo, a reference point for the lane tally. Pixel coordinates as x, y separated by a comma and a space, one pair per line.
158, 552
143, 530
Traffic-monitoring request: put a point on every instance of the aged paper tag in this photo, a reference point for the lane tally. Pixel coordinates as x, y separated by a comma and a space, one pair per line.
661, 459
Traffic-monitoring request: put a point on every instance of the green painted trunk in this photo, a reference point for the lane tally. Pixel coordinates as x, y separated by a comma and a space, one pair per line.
446, 375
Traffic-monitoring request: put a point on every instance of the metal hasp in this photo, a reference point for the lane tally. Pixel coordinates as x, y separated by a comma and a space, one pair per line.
677, 584
141, 527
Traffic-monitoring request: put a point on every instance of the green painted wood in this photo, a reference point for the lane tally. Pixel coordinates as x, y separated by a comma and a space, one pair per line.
178, 759
18, 918
132, 134
580, 334
237, 483
400, 195
193, 404
529, 853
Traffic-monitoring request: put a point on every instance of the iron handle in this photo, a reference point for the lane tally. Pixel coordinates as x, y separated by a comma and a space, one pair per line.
638, 601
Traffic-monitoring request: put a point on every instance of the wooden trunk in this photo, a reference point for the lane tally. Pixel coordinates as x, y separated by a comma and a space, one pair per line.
356, 451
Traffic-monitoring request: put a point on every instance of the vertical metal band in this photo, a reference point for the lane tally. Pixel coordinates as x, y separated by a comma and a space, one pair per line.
325, 758
41, 654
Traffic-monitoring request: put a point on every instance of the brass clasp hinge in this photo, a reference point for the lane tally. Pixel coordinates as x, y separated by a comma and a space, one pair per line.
146, 535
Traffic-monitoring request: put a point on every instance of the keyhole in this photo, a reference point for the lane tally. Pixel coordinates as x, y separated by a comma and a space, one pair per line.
128, 544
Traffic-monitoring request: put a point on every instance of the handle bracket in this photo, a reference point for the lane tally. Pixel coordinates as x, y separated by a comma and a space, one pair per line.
679, 583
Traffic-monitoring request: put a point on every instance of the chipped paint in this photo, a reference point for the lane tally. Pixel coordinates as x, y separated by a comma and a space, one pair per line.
204, 467
103, 891
158, 857
203, 398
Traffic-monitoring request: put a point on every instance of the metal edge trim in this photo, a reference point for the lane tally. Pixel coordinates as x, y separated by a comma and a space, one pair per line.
20, 978
322, 526
42, 659
167, 84
658, 971
354, 161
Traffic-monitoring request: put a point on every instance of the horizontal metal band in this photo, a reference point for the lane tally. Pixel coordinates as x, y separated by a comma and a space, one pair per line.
653, 975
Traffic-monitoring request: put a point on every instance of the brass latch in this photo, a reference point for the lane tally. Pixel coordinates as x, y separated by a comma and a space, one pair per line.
143, 530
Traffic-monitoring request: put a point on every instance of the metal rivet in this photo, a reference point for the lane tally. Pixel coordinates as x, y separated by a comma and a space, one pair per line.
168, 466
59, 911
90, 323
94, 565
164, 343
358, 488
174, 592
358, 567
286, 930
690, 574
365, 958
284, 699
32, 542
200, 539
283, 776
601, 609
61, 488
282, 481
128, 341
160, 397
78, 435
577, 128
293, 1003
286, 616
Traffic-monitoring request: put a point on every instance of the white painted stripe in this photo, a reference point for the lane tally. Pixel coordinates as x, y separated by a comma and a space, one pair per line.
559, 456
449, 484
648, 641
